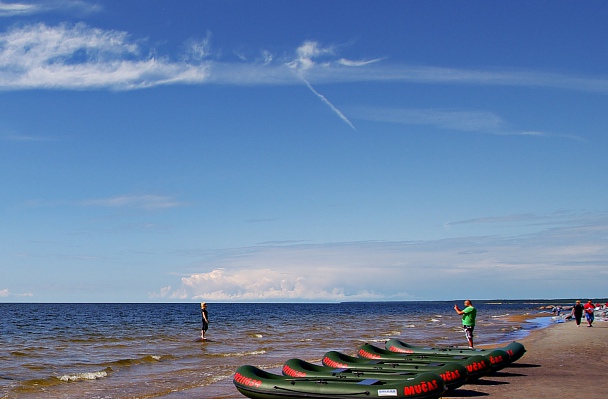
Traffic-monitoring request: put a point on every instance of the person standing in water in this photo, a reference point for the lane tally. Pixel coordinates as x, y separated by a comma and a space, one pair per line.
205, 320
468, 320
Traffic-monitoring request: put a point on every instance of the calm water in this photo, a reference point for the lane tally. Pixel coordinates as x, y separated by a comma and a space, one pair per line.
149, 350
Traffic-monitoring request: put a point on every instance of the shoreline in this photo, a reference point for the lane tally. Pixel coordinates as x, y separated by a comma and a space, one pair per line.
559, 358
560, 361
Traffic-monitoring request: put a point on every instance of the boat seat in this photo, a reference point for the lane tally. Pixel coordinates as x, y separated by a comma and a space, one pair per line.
339, 370
369, 381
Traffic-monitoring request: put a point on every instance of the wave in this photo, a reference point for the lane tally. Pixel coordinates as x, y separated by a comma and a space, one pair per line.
239, 354
142, 360
84, 376
36, 384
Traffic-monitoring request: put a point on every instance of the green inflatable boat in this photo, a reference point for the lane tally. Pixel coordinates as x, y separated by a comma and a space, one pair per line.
515, 350
259, 384
454, 375
498, 358
473, 368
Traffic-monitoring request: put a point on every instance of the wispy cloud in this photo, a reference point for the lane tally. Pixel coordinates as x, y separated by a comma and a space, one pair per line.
17, 9
307, 53
80, 57
331, 106
459, 120
561, 254
147, 202
447, 119
360, 63
519, 218
5, 293
24, 138
493, 77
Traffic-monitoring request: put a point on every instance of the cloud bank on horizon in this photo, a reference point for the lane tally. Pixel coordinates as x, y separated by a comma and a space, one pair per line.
567, 249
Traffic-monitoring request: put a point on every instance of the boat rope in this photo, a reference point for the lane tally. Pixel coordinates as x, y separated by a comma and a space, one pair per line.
324, 394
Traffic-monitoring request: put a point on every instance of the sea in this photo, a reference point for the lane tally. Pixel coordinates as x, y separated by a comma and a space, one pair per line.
152, 350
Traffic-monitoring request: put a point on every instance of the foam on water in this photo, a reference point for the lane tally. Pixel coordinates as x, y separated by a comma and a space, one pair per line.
84, 376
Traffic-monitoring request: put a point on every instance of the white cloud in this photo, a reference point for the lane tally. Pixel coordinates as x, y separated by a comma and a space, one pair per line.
199, 50
306, 54
267, 284
459, 120
447, 119
163, 293
80, 57
352, 63
24, 138
45, 6
5, 293
553, 261
15, 9
329, 104
146, 201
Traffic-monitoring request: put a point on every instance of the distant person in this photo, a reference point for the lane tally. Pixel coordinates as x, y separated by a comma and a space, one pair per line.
577, 312
205, 320
469, 313
589, 313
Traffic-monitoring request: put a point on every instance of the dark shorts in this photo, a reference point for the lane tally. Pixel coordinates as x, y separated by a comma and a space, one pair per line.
205, 326
468, 331
589, 316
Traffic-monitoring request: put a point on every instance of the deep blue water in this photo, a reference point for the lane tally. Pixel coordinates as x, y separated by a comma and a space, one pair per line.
149, 350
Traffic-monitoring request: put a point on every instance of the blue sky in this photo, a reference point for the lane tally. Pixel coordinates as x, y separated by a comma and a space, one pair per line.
302, 150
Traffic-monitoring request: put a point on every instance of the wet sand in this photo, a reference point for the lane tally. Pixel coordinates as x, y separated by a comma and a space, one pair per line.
561, 361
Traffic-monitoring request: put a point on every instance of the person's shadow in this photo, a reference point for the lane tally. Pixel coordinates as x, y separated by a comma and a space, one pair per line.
522, 365
464, 393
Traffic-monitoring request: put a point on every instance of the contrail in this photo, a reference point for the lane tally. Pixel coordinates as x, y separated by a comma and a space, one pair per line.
326, 101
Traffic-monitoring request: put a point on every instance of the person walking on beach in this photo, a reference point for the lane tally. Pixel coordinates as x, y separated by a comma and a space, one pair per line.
577, 312
469, 313
589, 310
205, 320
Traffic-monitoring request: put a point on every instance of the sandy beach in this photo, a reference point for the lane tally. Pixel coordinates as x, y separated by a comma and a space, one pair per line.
562, 361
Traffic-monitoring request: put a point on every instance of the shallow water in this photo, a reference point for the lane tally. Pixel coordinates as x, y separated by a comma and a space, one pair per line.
150, 350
